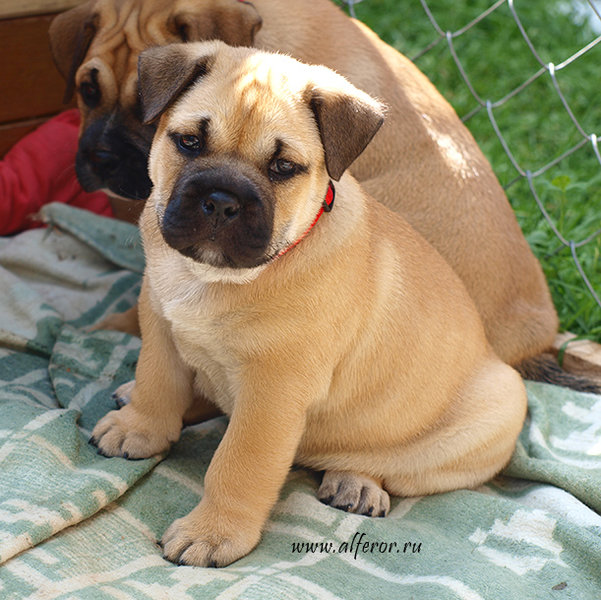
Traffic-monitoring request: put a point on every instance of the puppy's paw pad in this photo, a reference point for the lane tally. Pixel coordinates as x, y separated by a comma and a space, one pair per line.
354, 493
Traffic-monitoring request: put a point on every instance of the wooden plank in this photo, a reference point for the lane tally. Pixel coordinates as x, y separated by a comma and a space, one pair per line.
19, 8
581, 357
31, 85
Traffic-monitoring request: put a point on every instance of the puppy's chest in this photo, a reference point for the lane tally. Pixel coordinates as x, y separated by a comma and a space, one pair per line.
202, 337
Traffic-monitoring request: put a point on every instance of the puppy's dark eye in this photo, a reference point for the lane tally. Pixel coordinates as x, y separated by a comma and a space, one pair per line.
281, 168
189, 143
90, 93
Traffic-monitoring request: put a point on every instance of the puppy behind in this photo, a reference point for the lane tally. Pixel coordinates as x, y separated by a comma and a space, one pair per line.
338, 340
424, 163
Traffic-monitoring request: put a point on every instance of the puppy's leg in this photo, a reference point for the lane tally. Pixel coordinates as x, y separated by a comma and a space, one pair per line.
245, 476
200, 410
352, 492
162, 393
475, 442
127, 321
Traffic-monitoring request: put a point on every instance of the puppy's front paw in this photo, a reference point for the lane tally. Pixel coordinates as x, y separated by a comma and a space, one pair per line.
203, 540
129, 434
354, 493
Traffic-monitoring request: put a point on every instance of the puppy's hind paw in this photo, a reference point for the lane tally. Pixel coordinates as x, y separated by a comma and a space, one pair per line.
127, 322
355, 493
122, 395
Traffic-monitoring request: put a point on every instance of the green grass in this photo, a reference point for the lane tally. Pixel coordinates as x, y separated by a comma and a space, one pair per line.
534, 123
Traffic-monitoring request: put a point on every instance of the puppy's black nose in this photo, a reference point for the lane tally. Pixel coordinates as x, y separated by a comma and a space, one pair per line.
220, 204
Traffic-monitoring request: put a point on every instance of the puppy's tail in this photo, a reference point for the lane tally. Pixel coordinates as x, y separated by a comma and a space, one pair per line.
544, 367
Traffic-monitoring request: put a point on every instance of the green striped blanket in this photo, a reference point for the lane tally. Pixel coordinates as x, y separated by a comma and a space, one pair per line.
75, 525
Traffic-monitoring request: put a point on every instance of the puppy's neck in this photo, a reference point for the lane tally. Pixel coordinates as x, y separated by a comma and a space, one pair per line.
326, 206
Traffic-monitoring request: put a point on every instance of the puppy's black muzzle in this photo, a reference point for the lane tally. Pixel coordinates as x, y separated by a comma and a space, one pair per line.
111, 155
104, 160
219, 216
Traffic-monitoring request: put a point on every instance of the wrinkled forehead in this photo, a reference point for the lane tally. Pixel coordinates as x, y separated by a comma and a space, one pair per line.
137, 23
251, 106
124, 29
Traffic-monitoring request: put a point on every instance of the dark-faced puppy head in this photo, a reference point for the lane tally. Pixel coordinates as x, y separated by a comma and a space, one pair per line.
96, 46
245, 147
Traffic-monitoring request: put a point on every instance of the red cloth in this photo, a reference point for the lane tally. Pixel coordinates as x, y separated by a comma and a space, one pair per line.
40, 168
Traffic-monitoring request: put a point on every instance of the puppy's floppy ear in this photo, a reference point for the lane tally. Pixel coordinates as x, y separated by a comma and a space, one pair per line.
347, 119
164, 74
71, 34
235, 22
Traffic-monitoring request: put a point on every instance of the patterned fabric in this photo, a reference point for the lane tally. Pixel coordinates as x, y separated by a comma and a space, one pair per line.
75, 525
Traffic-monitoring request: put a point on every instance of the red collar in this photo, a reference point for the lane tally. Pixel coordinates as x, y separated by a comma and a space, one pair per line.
326, 206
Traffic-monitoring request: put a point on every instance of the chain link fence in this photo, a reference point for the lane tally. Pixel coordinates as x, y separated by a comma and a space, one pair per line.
507, 59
